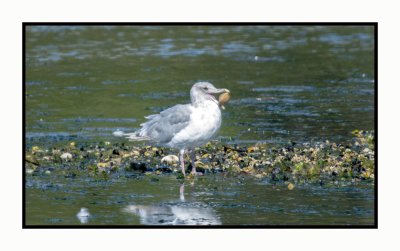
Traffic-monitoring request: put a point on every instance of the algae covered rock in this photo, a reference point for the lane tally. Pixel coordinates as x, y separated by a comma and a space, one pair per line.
296, 163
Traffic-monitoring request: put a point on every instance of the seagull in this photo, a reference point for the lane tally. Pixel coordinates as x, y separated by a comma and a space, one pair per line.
184, 127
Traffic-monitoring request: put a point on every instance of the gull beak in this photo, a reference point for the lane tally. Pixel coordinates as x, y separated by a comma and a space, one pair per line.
218, 91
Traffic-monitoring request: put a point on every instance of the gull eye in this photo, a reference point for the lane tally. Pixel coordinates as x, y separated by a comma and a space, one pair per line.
205, 88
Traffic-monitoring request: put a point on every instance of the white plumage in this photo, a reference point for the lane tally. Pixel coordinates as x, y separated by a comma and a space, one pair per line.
204, 122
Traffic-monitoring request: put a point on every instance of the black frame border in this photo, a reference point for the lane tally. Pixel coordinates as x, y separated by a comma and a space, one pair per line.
374, 24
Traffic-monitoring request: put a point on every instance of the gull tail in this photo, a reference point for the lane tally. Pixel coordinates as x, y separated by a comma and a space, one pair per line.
133, 136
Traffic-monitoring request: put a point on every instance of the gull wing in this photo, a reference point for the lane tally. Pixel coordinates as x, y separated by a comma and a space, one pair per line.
162, 127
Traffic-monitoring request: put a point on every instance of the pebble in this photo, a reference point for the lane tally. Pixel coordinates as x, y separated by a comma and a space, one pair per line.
170, 159
366, 150
36, 149
103, 165
66, 156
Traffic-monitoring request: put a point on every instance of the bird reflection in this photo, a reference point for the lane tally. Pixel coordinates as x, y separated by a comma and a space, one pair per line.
176, 213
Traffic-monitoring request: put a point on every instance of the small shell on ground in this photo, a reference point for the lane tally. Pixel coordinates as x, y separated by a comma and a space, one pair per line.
223, 99
201, 164
252, 149
290, 186
248, 169
66, 156
29, 171
102, 166
134, 153
170, 159
207, 155
36, 149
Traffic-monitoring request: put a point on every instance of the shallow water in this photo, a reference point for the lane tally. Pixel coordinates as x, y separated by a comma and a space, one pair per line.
288, 83
210, 200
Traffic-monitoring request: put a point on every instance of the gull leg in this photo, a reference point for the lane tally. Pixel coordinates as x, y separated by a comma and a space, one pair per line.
182, 160
192, 155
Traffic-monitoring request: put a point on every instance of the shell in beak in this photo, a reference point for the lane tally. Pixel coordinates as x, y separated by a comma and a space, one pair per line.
224, 98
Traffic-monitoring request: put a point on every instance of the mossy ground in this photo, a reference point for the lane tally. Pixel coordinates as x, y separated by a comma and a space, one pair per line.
323, 163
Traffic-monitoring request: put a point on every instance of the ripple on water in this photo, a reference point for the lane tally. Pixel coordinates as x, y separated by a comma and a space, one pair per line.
245, 82
287, 88
34, 83
93, 119
253, 62
52, 136
119, 82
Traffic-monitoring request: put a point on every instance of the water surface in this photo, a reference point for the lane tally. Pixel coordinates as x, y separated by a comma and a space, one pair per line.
210, 200
288, 83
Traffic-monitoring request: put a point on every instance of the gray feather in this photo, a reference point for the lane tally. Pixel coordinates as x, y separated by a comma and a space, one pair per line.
162, 127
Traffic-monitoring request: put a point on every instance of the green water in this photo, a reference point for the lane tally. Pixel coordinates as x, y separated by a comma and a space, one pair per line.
288, 83
212, 200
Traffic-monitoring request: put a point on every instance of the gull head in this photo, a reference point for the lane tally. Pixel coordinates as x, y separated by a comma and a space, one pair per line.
203, 91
